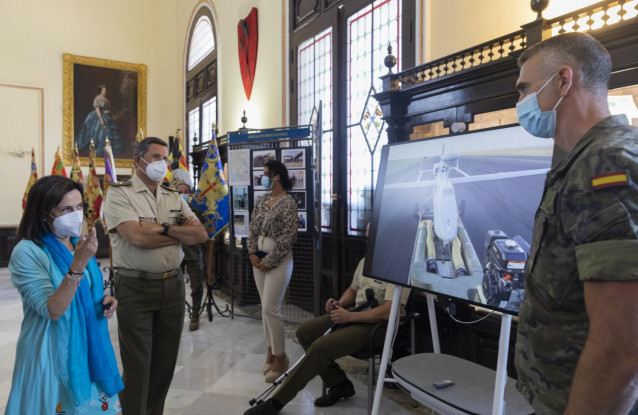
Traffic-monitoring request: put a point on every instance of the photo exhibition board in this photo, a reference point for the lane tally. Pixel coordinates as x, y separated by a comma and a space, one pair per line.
454, 215
247, 167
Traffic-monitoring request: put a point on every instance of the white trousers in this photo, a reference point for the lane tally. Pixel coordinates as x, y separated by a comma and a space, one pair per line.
272, 287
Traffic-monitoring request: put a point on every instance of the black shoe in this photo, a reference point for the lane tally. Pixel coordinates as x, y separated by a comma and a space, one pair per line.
265, 408
343, 390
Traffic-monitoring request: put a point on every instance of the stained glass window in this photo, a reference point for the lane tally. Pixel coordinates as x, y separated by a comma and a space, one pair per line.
370, 31
314, 67
202, 42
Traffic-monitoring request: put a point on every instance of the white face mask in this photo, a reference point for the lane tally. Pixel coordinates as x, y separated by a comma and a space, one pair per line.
69, 224
156, 170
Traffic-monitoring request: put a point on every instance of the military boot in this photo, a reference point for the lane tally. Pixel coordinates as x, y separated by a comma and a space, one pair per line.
194, 324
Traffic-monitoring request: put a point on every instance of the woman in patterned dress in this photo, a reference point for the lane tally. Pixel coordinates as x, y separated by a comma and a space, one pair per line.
272, 232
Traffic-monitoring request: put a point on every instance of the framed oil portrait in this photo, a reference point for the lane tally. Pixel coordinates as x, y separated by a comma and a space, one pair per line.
103, 99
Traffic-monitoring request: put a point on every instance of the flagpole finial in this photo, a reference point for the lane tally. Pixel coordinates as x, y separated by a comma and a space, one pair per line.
213, 127
177, 132
107, 141
244, 120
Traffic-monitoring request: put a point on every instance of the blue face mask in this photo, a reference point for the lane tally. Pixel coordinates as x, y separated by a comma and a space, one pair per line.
185, 196
536, 122
265, 181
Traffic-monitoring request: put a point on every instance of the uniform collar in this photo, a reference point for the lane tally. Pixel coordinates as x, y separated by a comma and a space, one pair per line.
139, 186
587, 140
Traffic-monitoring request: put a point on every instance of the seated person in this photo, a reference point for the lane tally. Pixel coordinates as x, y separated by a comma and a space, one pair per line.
321, 351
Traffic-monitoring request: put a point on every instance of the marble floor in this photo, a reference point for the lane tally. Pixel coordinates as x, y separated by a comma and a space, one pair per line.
218, 369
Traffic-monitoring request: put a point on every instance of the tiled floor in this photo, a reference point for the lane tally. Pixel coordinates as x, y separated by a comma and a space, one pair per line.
218, 369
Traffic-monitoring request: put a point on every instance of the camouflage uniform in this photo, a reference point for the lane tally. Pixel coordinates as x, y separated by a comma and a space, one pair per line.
582, 232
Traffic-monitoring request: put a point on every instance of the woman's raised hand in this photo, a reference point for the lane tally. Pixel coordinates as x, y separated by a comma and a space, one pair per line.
85, 248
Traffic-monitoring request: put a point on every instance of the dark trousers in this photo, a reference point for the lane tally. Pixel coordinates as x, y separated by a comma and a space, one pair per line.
150, 317
321, 352
194, 265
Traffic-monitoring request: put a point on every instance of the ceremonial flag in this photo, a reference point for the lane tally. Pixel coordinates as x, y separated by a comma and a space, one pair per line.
109, 172
32, 179
109, 176
58, 165
109, 150
76, 169
93, 191
176, 157
211, 196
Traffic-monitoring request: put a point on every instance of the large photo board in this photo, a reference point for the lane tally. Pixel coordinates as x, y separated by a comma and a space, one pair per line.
454, 215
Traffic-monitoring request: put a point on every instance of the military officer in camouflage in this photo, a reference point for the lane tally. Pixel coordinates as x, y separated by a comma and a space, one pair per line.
146, 232
577, 344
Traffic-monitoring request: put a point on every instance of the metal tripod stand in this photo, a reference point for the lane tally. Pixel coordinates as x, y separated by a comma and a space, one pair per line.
209, 303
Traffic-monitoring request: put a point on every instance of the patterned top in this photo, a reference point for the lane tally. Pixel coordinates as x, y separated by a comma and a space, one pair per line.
586, 229
278, 222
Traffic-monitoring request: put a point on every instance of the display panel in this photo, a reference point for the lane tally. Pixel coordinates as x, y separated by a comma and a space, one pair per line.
454, 215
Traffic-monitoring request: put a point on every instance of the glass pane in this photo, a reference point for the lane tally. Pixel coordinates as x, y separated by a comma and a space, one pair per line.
193, 129
314, 70
369, 32
202, 42
209, 117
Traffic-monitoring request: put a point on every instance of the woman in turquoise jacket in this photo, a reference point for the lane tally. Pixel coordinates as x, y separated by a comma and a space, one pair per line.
64, 358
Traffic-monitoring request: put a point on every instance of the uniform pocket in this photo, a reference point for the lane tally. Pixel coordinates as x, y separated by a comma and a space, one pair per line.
147, 216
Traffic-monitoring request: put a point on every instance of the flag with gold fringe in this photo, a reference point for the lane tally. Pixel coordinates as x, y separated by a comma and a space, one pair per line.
58, 165
93, 191
32, 179
76, 169
211, 196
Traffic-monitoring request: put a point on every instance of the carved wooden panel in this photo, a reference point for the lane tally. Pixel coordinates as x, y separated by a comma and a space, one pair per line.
199, 83
190, 90
8, 241
304, 10
211, 75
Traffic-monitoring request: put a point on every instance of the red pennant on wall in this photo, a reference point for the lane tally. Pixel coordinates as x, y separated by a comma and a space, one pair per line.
247, 36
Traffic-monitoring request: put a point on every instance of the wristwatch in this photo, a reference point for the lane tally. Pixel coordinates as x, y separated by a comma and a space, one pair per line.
166, 226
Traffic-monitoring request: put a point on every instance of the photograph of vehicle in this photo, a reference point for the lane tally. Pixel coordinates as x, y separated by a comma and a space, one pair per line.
454, 215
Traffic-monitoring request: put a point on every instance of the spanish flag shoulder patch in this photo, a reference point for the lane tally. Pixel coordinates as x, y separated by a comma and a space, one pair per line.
610, 180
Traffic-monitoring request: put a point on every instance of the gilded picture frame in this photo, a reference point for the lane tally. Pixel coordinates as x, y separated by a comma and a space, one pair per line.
102, 99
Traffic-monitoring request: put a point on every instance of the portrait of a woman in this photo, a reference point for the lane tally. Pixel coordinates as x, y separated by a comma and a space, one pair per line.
99, 125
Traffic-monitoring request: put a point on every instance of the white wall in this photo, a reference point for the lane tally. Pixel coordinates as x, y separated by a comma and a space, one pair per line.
36, 33
264, 110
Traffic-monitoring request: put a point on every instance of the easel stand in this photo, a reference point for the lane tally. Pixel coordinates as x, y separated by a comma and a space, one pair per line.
472, 391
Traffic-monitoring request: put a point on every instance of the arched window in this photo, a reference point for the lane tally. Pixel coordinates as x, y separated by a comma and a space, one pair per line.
202, 43
201, 80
